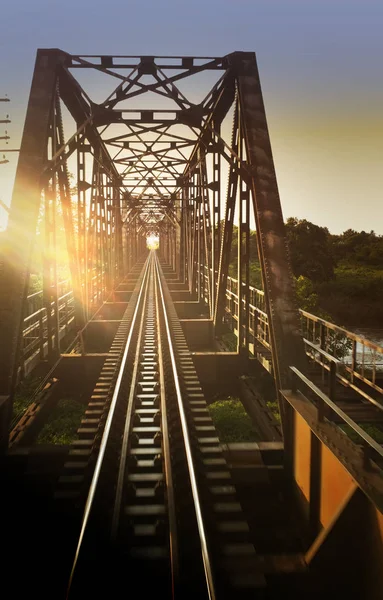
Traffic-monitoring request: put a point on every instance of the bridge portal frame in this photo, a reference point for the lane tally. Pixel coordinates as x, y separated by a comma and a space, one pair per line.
109, 239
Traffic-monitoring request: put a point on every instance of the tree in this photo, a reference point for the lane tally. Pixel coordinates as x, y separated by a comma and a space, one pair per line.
359, 247
311, 250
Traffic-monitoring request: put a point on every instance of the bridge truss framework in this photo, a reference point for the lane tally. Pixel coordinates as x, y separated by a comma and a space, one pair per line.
159, 170
179, 149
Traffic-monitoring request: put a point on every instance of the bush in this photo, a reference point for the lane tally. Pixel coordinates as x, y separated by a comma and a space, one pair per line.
62, 423
35, 283
232, 422
311, 251
230, 341
353, 298
24, 395
370, 428
274, 408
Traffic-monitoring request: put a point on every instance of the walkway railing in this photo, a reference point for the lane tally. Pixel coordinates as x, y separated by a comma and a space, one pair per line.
357, 361
354, 360
35, 332
327, 410
342, 355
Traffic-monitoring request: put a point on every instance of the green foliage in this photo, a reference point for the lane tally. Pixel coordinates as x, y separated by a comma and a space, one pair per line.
230, 341
24, 394
232, 422
256, 275
361, 247
338, 345
354, 297
357, 282
310, 250
274, 408
306, 295
338, 277
375, 432
234, 245
35, 283
62, 423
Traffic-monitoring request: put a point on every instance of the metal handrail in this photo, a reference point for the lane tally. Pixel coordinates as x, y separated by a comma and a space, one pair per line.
319, 320
341, 330
325, 400
322, 352
356, 368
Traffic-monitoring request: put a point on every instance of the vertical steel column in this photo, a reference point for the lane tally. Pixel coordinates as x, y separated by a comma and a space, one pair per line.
82, 186
53, 258
194, 237
207, 234
227, 233
216, 219
188, 237
67, 210
198, 223
243, 251
178, 240
119, 234
184, 260
240, 268
47, 266
92, 241
282, 310
108, 238
21, 230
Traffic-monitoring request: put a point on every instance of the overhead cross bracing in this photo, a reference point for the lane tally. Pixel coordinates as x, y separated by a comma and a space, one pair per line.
150, 147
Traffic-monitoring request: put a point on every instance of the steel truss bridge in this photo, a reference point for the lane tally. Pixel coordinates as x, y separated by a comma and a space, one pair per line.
116, 151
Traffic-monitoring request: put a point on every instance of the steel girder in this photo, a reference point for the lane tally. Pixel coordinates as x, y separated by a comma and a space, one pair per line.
278, 281
21, 231
148, 159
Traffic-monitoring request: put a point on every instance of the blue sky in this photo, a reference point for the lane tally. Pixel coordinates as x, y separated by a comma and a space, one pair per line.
320, 67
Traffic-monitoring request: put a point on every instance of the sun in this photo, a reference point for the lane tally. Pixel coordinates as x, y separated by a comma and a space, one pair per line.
152, 242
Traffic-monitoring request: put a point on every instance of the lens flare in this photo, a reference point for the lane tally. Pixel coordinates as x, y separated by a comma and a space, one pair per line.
152, 242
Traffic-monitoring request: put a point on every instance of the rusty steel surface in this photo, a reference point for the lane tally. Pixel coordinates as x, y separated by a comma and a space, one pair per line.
287, 347
363, 461
23, 214
151, 156
118, 150
358, 361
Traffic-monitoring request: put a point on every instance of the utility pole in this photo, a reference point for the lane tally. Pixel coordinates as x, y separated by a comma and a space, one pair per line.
6, 136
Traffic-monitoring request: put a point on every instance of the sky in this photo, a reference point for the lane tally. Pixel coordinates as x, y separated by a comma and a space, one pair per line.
320, 65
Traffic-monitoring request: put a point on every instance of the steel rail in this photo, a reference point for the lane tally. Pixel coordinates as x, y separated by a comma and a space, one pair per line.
122, 471
186, 438
106, 432
128, 419
173, 537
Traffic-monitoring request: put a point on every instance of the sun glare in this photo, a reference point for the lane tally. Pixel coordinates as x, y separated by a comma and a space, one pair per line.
152, 242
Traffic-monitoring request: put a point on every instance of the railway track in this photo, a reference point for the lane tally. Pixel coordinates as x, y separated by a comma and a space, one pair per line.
161, 510
145, 499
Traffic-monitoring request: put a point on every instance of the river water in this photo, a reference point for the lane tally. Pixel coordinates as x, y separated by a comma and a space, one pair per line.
373, 335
